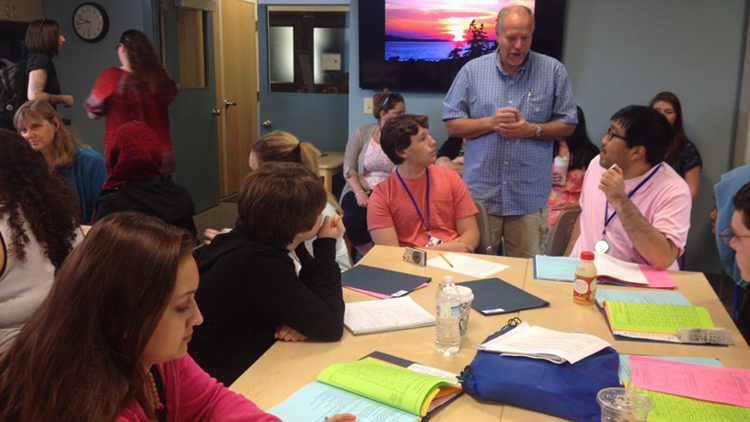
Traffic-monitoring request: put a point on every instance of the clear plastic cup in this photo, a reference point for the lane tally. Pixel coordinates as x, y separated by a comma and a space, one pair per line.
467, 296
560, 166
623, 405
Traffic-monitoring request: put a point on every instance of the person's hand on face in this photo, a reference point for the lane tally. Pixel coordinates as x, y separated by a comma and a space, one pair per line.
613, 185
332, 227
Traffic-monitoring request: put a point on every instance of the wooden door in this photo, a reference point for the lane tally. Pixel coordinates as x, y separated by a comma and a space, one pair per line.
237, 93
192, 123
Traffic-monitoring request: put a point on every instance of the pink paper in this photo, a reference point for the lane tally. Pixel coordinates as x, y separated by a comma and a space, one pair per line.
710, 383
658, 279
379, 295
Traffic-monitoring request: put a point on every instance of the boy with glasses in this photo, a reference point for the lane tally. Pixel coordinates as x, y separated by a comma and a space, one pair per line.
634, 207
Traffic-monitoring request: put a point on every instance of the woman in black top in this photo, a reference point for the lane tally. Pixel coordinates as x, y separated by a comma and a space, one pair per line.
44, 41
250, 293
682, 155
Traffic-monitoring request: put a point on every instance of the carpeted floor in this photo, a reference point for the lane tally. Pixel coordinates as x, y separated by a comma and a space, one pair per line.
219, 217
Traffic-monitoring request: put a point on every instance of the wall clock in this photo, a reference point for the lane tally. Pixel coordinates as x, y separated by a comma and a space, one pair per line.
90, 22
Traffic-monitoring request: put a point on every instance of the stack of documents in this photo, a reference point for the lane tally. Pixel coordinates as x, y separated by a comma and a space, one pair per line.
654, 321
610, 270
375, 316
542, 343
691, 392
372, 389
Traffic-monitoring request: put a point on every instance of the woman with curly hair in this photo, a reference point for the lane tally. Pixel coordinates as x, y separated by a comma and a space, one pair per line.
83, 167
140, 89
37, 231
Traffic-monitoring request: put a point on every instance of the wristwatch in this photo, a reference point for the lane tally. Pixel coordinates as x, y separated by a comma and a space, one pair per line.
538, 133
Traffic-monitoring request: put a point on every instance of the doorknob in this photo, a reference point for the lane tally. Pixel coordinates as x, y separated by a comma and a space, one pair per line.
216, 112
267, 124
228, 103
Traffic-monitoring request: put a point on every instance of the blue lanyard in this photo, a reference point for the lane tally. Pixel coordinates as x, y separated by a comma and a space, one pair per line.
425, 225
607, 220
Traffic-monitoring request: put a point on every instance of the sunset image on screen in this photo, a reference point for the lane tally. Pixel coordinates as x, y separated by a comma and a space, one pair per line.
433, 30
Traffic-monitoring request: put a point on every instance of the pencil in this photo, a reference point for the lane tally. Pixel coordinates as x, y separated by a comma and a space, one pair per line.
446, 260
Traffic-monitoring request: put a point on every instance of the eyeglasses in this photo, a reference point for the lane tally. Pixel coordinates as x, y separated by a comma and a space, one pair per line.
611, 134
727, 235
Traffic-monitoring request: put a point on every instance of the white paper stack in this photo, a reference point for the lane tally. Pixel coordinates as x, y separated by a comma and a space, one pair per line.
374, 316
542, 343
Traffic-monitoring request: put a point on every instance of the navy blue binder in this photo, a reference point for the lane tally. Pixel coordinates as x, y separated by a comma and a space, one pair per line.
378, 280
493, 296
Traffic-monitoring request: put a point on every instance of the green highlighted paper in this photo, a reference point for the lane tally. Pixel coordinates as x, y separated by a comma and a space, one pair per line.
655, 318
670, 408
389, 384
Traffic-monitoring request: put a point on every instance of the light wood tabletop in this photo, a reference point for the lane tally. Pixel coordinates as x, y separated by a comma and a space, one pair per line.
287, 367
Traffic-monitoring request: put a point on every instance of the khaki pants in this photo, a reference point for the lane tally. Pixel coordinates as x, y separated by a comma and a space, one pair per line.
523, 234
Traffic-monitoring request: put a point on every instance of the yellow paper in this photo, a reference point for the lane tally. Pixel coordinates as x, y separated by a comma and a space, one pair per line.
388, 384
655, 318
670, 408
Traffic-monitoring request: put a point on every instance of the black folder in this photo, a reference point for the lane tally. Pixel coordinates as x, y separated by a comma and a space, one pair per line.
378, 280
493, 296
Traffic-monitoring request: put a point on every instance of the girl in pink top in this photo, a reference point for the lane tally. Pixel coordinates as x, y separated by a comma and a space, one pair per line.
110, 341
580, 151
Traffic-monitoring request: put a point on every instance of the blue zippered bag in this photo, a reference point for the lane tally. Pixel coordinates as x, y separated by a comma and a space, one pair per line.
565, 390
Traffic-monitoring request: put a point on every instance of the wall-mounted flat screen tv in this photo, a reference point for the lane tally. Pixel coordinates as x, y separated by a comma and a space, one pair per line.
420, 45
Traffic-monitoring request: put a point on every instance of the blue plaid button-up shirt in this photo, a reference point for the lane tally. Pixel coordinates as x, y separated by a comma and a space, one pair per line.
510, 176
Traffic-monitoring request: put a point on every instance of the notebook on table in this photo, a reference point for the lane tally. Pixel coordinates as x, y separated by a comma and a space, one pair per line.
493, 296
376, 388
381, 283
375, 316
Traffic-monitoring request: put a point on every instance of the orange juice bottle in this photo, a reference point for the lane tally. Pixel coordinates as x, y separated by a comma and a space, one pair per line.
584, 286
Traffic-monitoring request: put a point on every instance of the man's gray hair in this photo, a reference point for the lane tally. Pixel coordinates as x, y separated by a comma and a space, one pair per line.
516, 8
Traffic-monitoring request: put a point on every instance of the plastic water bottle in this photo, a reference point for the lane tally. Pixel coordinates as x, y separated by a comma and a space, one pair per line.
448, 315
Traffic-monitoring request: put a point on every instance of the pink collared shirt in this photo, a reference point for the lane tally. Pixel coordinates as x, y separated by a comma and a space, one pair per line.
664, 201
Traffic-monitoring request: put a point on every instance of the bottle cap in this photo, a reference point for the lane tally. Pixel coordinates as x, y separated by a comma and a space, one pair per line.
447, 279
587, 255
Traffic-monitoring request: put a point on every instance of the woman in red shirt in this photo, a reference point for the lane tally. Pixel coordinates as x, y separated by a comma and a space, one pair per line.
140, 89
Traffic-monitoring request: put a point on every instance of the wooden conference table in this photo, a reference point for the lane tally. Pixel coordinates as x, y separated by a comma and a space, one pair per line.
287, 367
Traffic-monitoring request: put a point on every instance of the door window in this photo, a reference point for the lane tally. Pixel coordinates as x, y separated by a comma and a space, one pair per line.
308, 50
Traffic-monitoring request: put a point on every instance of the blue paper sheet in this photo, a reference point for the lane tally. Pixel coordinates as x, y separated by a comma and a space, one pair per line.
316, 400
557, 268
642, 296
624, 370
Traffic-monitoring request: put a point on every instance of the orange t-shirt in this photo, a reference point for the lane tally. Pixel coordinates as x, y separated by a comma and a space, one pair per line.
450, 201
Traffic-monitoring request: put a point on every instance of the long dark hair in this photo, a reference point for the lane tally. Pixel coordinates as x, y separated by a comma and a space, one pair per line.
679, 139
29, 192
41, 37
78, 357
582, 150
149, 74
